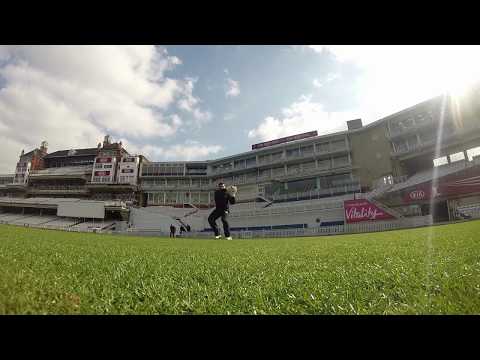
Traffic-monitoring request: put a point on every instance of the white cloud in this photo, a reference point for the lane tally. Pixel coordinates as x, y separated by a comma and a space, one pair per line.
190, 150
72, 95
229, 117
317, 83
301, 116
398, 76
329, 78
190, 103
233, 88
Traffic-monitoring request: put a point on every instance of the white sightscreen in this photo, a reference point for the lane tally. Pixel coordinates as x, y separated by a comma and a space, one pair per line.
82, 209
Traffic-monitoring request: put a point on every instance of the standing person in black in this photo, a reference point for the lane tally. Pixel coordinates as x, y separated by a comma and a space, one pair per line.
172, 230
222, 200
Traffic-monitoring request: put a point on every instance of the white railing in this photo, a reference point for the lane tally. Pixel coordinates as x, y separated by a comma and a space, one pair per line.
316, 193
67, 170
472, 211
396, 130
363, 227
308, 155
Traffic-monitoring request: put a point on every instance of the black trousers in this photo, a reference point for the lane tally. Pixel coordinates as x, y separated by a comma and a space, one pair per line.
212, 220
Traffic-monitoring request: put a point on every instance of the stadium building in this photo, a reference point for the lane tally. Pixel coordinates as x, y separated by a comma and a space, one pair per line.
419, 163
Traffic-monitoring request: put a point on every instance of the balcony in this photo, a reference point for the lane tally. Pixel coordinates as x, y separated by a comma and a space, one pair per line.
299, 173
450, 137
187, 187
396, 130
58, 189
320, 153
63, 172
316, 194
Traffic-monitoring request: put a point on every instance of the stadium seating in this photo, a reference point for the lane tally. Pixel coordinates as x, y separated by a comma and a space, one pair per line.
248, 206
144, 219
8, 218
471, 211
428, 175
33, 220
61, 223
91, 225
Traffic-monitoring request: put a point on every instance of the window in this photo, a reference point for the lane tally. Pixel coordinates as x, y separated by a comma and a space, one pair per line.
239, 164
277, 156
278, 171
307, 150
265, 173
184, 182
293, 153
340, 161
262, 159
412, 142
427, 137
309, 165
440, 161
401, 146
472, 153
338, 145
251, 162
323, 147
387, 180
457, 157
324, 164
293, 169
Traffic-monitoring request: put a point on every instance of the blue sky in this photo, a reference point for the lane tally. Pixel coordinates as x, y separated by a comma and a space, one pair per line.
203, 102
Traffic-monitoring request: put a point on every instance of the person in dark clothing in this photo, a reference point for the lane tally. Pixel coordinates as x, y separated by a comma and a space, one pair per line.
182, 230
172, 230
189, 228
223, 199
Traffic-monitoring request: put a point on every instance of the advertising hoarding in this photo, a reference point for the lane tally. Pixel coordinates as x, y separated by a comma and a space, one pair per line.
284, 140
363, 210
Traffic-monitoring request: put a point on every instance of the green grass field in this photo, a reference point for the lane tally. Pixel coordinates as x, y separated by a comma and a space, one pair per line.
418, 271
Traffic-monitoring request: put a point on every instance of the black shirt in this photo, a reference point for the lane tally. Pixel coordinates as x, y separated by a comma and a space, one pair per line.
223, 199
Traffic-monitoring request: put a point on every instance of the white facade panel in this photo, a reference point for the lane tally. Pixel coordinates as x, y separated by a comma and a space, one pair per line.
82, 209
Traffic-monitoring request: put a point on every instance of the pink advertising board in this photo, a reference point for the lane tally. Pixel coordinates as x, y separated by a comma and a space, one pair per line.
363, 210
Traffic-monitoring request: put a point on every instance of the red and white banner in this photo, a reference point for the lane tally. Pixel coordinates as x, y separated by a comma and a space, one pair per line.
464, 183
419, 193
364, 210
102, 173
104, 160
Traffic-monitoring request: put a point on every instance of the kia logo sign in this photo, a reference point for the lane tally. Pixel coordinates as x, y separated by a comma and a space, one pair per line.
417, 195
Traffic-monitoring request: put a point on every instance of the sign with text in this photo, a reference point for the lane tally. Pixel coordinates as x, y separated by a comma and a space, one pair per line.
104, 160
419, 193
284, 140
364, 210
462, 183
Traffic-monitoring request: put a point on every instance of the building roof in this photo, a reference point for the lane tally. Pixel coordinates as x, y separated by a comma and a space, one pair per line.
72, 152
29, 153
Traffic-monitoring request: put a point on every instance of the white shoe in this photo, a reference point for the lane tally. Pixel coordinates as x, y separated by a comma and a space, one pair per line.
218, 236
228, 238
